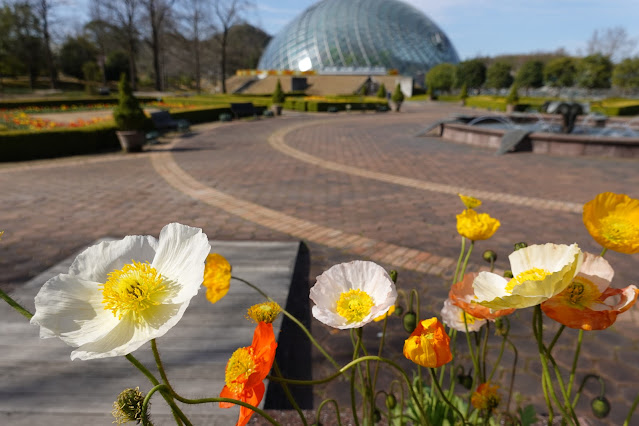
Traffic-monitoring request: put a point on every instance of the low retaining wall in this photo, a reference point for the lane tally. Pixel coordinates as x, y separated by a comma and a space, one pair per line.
545, 143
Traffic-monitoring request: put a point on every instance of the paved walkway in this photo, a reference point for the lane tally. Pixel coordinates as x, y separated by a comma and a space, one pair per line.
351, 186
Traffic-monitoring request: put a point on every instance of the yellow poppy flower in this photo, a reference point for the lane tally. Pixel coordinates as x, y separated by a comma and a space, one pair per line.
613, 221
469, 202
476, 226
428, 345
539, 273
217, 277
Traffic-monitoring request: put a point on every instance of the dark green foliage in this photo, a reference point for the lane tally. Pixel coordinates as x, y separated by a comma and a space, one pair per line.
21, 145
498, 75
441, 77
560, 72
117, 63
381, 92
626, 74
398, 95
464, 92
278, 95
472, 72
91, 73
594, 72
128, 115
513, 95
527, 415
75, 52
531, 74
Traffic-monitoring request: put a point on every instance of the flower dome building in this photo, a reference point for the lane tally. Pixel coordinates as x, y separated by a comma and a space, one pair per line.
359, 36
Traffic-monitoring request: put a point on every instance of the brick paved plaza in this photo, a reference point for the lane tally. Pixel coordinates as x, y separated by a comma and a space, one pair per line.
351, 186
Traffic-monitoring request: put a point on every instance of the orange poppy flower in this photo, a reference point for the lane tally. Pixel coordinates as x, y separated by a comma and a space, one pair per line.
613, 221
246, 370
486, 397
462, 295
428, 345
588, 303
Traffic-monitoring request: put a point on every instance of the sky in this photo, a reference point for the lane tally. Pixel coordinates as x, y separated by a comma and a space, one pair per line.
494, 27
479, 27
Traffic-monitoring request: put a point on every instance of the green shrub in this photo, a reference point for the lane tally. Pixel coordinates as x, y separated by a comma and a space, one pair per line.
464, 92
398, 95
278, 95
381, 92
513, 96
128, 115
21, 145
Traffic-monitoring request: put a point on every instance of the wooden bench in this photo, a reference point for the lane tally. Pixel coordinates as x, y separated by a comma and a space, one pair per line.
162, 121
245, 109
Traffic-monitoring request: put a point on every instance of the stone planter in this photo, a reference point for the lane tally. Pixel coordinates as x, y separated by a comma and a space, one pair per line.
131, 140
396, 106
510, 108
277, 109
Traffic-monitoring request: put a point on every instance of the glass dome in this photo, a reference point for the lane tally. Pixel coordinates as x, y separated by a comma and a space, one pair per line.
338, 34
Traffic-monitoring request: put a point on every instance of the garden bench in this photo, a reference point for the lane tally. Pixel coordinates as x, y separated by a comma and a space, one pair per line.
245, 109
162, 120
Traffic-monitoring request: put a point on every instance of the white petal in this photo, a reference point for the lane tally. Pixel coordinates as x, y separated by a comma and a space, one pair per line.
97, 261
550, 257
489, 286
597, 270
180, 256
65, 303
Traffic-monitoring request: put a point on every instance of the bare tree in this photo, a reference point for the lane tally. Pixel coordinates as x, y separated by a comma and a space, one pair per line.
97, 27
615, 43
227, 13
157, 11
43, 10
195, 26
126, 14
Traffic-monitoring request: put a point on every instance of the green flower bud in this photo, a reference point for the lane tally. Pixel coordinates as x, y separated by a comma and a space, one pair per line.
508, 273
399, 311
393, 275
410, 321
520, 245
128, 407
600, 407
465, 380
377, 416
391, 401
490, 256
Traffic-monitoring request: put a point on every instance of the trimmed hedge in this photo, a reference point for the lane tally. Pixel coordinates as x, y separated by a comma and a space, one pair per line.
206, 115
22, 145
616, 110
56, 103
340, 105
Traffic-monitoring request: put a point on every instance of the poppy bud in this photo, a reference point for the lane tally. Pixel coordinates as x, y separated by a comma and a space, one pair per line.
393, 275
391, 401
600, 407
490, 256
410, 321
508, 273
520, 245
398, 310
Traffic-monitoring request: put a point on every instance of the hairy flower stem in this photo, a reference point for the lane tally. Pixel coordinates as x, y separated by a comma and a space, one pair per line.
295, 320
433, 376
571, 380
165, 379
631, 411
319, 411
512, 375
501, 353
15, 305
470, 250
459, 260
554, 340
177, 413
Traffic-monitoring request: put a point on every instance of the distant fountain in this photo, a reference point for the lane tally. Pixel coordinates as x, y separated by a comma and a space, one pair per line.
568, 111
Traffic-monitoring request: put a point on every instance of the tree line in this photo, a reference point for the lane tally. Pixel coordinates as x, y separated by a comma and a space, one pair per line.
156, 43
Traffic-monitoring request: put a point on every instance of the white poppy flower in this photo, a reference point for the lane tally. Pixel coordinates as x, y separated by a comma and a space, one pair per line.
118, 295
350, 295
453, 316
539, 271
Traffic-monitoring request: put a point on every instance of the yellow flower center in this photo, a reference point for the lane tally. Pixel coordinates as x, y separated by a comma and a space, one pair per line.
581, 293
354, 305
619, 229
133, 289
264, 312
240, 366
534, 274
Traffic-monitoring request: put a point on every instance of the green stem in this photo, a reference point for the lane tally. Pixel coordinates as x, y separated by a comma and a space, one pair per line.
167, 395
485, 349
147, 400
512, 375
554, 340
15, 305
602, 389
571, 380
470, 250
443, 395
603, 252
319, 410
632, 410
288, 394
231, 401
501, 353
544, 377
471, 350
459, 260
295, 320
165, 379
